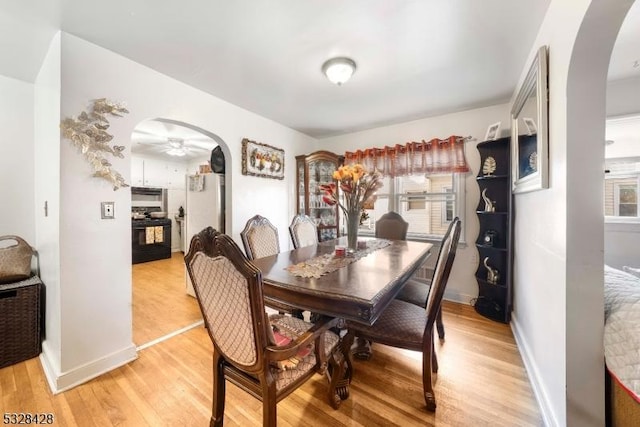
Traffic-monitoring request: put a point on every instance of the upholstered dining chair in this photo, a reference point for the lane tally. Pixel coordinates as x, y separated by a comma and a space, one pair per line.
303, 231
408, 326
392, 226
249, 346
260, 239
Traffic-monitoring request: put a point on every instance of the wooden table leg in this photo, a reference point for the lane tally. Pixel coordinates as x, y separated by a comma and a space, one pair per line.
340, 372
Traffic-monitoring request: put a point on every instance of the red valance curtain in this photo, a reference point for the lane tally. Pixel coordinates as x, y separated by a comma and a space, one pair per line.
412, 158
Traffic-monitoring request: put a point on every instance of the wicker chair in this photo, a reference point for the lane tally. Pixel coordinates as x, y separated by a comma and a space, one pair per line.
409, 326
229, 291
303, 231
392, 226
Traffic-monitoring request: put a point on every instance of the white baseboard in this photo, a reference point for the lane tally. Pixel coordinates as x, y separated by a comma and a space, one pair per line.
458, 297
548, 416
62, 381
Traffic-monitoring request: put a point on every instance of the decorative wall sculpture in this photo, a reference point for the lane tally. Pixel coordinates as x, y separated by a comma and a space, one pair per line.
88, 132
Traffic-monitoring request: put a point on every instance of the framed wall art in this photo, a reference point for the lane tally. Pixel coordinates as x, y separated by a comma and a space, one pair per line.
263, 160
529, 119
493, 132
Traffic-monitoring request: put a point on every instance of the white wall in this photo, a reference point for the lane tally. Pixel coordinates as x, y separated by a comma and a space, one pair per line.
47, 190
462, 285
558, 318
621, 245
16, 159
95, 254
623, 97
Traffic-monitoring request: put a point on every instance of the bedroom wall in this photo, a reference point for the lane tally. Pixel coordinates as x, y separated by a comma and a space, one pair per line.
462, 286
621, 239
95, 254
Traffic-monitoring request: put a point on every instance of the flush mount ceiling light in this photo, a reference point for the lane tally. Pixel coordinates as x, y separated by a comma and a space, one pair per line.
339, 70
177, 147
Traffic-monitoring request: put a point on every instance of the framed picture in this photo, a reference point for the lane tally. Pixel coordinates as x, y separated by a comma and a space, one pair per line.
529, 118
493, 132
263, 160
530, 125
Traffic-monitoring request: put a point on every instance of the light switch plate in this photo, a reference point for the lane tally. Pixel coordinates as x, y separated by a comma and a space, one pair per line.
108, 210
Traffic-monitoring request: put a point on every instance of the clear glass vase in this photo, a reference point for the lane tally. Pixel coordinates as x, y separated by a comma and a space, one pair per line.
353, 222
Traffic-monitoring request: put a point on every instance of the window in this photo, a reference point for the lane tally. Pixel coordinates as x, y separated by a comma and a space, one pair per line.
427, 203
621, 189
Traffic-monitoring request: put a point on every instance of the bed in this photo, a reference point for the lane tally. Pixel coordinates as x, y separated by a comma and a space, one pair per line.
622, 345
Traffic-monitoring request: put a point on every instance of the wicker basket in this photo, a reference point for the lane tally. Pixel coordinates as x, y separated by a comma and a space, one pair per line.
20, 331
15, 260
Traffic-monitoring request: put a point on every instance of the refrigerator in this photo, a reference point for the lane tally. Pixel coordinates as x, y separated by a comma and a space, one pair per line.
204, 207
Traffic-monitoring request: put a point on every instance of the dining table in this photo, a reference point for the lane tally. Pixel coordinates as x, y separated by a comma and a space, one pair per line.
328, 279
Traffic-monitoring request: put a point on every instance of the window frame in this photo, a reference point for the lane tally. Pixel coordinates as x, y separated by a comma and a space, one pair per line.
621, 174
457, 190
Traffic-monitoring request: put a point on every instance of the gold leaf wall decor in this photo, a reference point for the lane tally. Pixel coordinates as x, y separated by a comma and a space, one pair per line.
88, 133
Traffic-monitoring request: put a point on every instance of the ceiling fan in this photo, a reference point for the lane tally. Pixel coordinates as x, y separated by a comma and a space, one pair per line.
178, 144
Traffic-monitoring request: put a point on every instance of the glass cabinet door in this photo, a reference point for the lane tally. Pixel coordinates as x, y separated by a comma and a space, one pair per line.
312, 171
324, 215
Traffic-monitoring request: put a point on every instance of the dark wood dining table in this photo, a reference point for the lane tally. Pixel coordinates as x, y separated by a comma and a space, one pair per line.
359, 292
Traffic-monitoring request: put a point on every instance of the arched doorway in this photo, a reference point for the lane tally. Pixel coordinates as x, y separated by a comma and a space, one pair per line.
585, 131
169, 155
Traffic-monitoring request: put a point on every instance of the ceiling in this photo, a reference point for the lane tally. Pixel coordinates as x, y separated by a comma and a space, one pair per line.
157, 137
414, 58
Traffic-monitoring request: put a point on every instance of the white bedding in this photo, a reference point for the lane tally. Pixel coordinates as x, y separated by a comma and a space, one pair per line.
622, 327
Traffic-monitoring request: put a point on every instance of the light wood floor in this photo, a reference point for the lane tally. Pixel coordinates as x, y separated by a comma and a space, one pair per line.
160, 302
481, 382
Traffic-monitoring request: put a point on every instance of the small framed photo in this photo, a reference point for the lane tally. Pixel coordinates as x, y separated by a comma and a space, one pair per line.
493, 132
530, 125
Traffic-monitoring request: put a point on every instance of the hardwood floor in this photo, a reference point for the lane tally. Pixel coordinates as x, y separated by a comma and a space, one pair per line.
481, 382
160, 302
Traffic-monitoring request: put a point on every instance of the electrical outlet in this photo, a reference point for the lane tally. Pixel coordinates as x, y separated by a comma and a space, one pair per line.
108, 210
474, 259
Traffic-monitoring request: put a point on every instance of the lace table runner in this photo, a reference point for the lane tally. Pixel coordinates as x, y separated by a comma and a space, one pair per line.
327, 263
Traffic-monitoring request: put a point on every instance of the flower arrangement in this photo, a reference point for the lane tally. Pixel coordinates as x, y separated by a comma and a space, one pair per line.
358, 188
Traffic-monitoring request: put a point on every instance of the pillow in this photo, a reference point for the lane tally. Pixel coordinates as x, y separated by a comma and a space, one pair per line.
631, 270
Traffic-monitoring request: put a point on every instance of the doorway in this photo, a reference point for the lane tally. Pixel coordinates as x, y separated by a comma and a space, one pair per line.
168, 154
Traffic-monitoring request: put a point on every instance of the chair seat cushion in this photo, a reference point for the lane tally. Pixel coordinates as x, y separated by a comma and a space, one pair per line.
415, 292
292, 327
401, 324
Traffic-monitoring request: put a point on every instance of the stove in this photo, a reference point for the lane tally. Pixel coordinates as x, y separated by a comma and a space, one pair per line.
150, 222
150, 239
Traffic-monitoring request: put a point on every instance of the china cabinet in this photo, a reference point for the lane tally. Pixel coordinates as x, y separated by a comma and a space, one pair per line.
313, 170
494, 242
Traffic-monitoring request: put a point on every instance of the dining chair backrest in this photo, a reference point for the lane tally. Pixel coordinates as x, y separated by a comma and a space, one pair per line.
391, 226
444, 263
260, 238
229, 291
303, 231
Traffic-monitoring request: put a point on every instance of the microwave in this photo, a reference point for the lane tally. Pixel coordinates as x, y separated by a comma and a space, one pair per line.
149, 197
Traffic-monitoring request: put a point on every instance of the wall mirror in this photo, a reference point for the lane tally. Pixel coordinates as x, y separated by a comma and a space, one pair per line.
529, 133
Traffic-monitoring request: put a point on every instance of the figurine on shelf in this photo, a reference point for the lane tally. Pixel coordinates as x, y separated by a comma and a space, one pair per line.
489, 206
489, 166
493, 275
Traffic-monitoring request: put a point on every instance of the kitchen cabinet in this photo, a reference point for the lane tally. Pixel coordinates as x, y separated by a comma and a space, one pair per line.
313, 170
495, 239
137, 171
147, 172
176, 173
155, 173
